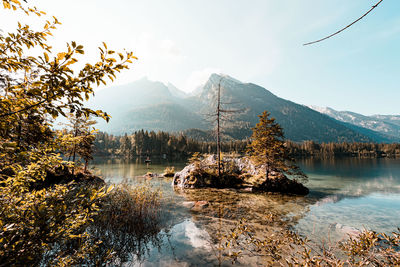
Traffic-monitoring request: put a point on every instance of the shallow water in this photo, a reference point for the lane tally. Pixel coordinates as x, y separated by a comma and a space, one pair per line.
346, 195
351, 193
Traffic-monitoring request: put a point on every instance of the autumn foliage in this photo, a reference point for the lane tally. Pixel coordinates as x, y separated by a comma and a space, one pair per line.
45, 224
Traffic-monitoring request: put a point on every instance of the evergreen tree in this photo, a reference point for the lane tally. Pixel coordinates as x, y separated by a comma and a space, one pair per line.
125, 146
268, 149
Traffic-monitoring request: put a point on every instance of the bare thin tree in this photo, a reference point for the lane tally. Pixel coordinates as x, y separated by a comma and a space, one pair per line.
221, 115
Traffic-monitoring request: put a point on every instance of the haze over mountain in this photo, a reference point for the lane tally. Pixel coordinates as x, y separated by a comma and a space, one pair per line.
144, 104
175, 91
152, 105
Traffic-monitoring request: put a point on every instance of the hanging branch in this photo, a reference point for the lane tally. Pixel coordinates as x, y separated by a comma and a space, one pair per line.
348, 26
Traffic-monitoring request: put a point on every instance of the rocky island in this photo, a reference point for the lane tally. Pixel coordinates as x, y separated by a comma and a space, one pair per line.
239, 173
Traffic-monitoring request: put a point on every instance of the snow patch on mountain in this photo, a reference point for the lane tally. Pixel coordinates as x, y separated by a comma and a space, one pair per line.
386, 124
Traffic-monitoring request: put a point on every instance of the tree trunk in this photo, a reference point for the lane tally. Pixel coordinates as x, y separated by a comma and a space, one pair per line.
218, 131
74, 150
266, 166
19, 129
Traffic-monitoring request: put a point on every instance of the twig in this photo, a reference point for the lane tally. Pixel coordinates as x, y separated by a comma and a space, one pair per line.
348, 26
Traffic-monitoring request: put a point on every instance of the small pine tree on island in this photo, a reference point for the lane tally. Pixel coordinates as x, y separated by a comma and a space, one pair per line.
268, 149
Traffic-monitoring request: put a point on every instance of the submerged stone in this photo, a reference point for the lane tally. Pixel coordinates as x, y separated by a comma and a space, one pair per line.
188, 204
346, 230
246, 189
199, 205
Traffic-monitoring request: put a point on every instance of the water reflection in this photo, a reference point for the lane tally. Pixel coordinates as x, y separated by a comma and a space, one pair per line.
351, 194
352, 177
353, 168
256, 208
115, 170
345, 195
265, 214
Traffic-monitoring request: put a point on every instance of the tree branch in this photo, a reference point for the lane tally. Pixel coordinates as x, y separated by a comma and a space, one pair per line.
23, 109
348, 26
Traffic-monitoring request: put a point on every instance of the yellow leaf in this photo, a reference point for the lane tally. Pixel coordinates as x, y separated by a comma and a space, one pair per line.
61, 56
46, 56
111, 187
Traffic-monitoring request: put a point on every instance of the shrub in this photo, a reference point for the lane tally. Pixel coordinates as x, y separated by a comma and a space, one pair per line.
48, 224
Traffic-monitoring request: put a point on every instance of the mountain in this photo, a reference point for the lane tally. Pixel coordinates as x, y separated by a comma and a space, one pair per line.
153, 105
393, 119
169, 117
386, 125
299, 122
143, 104
141, 93
175, 91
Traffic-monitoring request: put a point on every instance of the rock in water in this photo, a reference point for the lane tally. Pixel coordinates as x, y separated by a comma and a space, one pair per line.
199, 205
188, 204
347, 230
242, 174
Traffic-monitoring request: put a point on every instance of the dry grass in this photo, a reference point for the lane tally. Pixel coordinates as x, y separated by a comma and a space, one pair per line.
129, 221
287, 248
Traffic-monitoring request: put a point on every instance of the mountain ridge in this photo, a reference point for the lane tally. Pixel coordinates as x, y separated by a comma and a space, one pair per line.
384, 124
153, 106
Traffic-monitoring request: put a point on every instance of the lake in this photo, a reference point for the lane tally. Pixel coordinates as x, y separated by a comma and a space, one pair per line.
346, 195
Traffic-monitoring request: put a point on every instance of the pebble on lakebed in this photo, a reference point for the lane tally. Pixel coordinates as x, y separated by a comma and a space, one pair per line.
195, 205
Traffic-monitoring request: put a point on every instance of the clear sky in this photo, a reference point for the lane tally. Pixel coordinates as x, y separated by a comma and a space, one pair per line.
258, 41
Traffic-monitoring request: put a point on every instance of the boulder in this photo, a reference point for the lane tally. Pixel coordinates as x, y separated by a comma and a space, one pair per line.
181, 178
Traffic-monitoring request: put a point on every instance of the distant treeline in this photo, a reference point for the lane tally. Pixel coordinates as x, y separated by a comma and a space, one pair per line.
162, 144
157, 144
329, 150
